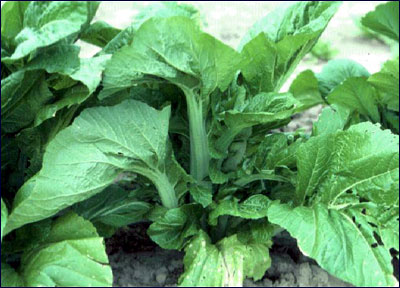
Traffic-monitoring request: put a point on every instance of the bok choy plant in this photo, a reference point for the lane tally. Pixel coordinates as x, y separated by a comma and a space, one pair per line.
193, 124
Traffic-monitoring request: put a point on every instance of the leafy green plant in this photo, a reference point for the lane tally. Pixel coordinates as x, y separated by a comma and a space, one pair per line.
191, 122
323, 51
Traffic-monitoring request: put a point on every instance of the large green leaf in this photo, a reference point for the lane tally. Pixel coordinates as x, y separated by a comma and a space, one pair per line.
46, 23
275, 45
358, 95
72, 255
173, 49
102, 141
336, 71
384, 20
342, 246
225, 264
4, 216
362, 159
386, 82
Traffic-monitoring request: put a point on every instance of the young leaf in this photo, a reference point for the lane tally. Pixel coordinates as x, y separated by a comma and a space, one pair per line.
255, 207
172, 230
225, 264
105, 141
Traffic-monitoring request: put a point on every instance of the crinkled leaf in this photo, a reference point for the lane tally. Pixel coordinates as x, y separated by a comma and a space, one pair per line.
98, 144
363, 159
344, 248
384, 20
46, 23
201, 194
358, 95
172, 230
268, 109
225, 264
255, 207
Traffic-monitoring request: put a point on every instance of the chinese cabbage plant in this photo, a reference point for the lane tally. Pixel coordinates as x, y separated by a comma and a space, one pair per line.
193, 123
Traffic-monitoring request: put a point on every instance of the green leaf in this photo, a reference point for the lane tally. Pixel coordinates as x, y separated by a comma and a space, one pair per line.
172, 230
255, 207
175, 50
225, 264
4, 216
9, 277
151, 55
362, 159
98, 144
386, 82
341, 246
114, 207
384, 20
267, 109
292, 19
12, 21
99, 33
306, 90
46, 23
23, 112
331, 119
201, 195
337, 71
358, 95
389, 231
72, 255
274, 46
166, 10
